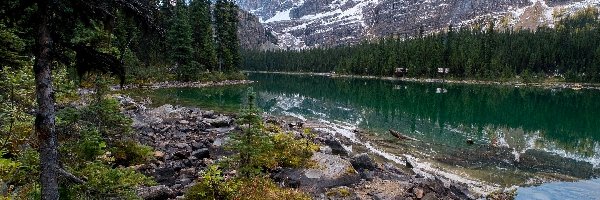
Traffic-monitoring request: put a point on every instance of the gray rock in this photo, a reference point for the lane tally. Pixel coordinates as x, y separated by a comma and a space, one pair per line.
367, 175
325, 150
182, 145
208, 114
185, 181
336, 147
330, 167
165, 175
429, 196
363, 162
218, 122
198, 145
188, 172
201, 153
181, 154
159, 192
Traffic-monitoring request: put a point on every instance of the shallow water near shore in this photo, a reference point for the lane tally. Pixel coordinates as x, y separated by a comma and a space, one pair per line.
521, 136
589, 189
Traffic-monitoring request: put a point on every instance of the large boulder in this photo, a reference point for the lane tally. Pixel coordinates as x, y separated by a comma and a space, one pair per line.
218, 122
201, 153
336, 146
159, 192
363, 162
330, 167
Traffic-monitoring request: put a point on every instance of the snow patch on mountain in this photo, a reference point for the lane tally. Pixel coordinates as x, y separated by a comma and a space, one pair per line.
302, 24
280, 16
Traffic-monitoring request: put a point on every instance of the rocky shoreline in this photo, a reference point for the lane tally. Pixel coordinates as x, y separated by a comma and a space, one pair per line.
544, 85
186, 140
177, 84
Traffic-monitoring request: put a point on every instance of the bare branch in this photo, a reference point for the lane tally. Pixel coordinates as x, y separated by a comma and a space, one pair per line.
68, 175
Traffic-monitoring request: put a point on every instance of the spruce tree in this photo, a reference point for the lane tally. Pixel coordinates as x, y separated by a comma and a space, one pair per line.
227, 40
203, 43
179, 38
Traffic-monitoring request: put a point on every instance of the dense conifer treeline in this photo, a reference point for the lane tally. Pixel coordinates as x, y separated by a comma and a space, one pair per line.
571, 50
189, 38
193, 47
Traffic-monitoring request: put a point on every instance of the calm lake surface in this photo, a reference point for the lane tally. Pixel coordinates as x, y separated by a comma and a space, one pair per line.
522, 136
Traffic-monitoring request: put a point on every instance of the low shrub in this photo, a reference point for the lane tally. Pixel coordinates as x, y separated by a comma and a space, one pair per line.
214, 186
264, 188
292, 152
104, 182
130, 152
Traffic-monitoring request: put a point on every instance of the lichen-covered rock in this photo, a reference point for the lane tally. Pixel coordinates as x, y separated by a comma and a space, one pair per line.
330, 167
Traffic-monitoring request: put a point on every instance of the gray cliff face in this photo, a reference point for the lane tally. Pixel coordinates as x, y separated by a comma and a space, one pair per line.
252, 33
301, 24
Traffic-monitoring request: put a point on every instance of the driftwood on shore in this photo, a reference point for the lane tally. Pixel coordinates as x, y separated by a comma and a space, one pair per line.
400, 136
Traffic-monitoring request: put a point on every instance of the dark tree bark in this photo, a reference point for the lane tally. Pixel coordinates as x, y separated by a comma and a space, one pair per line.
44, 120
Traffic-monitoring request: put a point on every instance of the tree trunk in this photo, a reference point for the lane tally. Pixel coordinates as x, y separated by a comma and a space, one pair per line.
44, 121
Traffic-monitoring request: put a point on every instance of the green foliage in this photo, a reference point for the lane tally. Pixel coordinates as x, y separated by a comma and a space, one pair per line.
570, 51
252, 144
212, 186
90, 145
21, 174
16, 99
129, 152
106, 116
11, 47
264, 188
28, 171
104, 182
94, 139
258, 149
228, 52
204, 46
180, 42
292, 152
340, 192
7, 167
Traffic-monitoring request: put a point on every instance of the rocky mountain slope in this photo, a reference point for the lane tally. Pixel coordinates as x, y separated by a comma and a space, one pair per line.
252, 33
300, 24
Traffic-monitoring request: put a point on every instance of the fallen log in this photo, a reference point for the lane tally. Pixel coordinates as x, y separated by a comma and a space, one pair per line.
400, 136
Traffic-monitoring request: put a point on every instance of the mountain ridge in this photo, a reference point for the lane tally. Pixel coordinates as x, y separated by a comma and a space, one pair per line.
299, 24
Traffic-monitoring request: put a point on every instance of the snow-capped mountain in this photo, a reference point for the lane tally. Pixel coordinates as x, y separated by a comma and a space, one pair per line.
311, 23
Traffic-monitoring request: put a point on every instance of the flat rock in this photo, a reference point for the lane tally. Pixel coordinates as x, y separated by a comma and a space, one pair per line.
329, 167
159, 192
159, 155
218, 122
